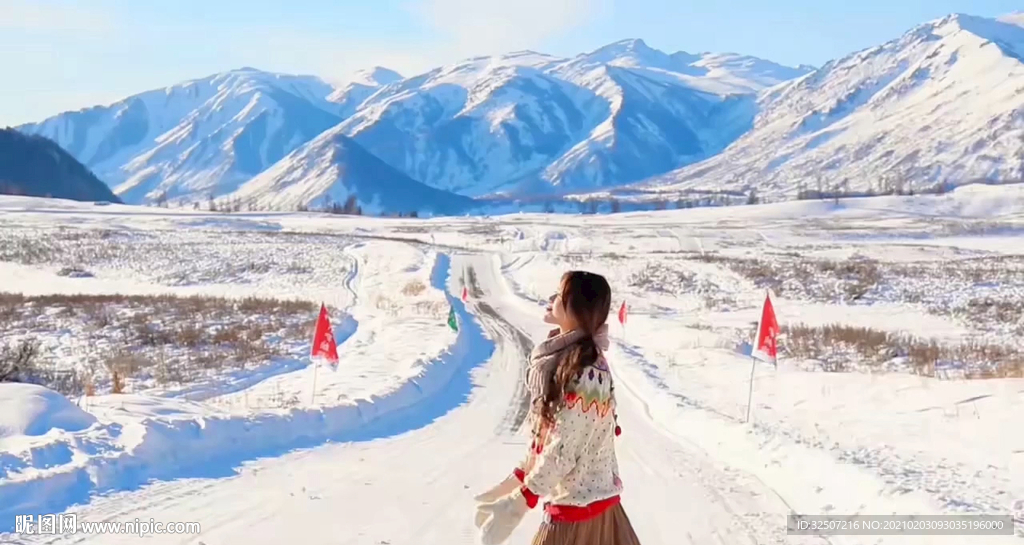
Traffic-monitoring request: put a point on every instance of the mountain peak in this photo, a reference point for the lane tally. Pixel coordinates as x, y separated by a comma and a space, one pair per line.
631, 52
376, 76
1006, 32
632, 46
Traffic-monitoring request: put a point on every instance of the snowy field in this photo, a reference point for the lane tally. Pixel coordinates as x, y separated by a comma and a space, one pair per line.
899, 390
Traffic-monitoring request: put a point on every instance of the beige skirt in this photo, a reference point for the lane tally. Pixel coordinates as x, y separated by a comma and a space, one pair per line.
609, 528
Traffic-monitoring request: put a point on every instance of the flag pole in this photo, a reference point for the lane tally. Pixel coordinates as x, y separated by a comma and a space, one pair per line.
753, 360
750, 391
312, 398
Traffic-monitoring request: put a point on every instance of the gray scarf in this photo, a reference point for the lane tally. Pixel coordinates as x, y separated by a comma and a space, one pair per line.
546, 355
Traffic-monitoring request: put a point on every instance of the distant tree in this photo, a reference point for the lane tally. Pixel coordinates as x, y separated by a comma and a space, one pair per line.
549, 207
414, 214
195, 205
161, 199
359, 210
660, 204
592, 205
581, 206
616, 206
212, 206
351, 205
752, 196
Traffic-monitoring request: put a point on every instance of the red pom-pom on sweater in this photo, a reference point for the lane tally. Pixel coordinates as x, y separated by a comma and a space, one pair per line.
618, 431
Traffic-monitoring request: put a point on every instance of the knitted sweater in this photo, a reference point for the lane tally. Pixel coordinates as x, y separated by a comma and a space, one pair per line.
573, 462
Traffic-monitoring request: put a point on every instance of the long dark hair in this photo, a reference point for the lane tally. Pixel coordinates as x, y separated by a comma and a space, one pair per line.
587, 297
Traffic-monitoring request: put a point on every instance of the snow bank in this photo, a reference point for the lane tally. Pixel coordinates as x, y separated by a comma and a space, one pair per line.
808, 480
28, 409
144, 439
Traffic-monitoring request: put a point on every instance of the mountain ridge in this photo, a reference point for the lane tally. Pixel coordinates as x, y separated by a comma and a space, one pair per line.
624, 115
906, 113
36, 166
197, 138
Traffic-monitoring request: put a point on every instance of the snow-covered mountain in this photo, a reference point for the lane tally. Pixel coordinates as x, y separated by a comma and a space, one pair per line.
333, 168
199, 138
522, 123
943, 104
360, 87
528, 122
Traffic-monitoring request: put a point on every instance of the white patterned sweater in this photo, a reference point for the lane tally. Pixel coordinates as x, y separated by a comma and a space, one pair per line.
573, 462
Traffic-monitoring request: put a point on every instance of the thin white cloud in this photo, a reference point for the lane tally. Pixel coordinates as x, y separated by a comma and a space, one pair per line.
1014, 18
65, 17
473, 27
459, 29
333, 58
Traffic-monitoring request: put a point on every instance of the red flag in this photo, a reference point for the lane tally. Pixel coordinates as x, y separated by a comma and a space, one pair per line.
465, 294
767, 332
622, 313
323, 339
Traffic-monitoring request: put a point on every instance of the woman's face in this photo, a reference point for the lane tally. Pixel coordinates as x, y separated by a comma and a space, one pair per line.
559, 313
549, 312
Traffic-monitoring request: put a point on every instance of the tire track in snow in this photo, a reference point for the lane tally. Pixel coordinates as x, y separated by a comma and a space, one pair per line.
520, 343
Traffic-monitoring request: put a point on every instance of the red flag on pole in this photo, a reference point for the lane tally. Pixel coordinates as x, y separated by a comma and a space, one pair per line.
767, 332
622, 313
323, 339
465, 294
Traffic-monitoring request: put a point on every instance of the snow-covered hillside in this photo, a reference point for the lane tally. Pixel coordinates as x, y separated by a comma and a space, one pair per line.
524, 123
333, 168
195, 139
943, 104
360, 87
532, 123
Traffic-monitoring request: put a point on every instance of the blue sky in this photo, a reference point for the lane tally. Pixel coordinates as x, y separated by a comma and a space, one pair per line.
68, 54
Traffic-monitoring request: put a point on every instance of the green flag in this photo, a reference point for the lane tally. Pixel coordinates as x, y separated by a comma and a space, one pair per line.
452, 322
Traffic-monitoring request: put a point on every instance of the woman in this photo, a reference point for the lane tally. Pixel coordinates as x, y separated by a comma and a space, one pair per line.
571, 462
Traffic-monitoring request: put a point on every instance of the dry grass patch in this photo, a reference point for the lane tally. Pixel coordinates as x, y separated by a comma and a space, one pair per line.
165, 338
660, 278
841, 348
414, 288
815, 279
